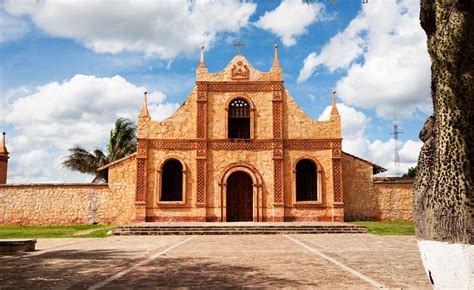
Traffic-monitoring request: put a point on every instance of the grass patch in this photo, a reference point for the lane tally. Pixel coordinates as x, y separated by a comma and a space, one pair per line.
20, 232
389, 228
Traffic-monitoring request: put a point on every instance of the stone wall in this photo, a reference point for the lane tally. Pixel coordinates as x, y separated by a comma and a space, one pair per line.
374, 198
63, 204
395, 198
360, 200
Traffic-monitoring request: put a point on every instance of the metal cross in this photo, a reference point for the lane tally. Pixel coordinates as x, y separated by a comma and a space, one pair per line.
238, 45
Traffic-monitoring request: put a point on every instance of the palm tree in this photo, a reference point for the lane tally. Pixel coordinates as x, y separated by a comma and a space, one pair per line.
123, 139
122, 142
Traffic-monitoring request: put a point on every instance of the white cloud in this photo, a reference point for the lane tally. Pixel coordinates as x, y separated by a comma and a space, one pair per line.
52, 118
339, 52
353, 122
11, 27
384, 52
355, 141
291, 19
162, 28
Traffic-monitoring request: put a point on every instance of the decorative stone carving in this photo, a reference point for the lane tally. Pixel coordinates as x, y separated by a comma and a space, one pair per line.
277, 120
240, 71
201, 122
262, 144
308, 144
141, 180
230, 145
142, 147
242, 87
336, 152
337, 179
201, 180
278, 180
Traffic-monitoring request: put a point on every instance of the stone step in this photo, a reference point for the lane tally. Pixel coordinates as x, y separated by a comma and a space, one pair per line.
237, 230
151, 233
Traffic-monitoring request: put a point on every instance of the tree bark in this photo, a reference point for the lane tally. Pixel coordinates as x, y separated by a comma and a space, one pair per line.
443, 197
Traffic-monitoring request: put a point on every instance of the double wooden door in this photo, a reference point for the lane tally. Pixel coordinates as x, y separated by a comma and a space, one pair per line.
239, 197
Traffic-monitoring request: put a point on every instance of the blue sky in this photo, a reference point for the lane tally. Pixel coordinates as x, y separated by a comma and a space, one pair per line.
69, 69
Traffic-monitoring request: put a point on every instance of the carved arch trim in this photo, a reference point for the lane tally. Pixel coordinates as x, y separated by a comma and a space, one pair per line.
240, 96
319, 182
257, 183
249, 101
159, 182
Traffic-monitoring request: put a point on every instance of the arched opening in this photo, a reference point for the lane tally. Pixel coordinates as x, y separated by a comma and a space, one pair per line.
239, 200
172, 181
239, 119
306, 181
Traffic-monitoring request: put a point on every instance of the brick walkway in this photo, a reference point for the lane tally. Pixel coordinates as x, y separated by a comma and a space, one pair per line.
327, 261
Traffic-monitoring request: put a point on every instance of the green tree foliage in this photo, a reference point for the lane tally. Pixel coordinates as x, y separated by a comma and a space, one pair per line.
122, 142
411, 172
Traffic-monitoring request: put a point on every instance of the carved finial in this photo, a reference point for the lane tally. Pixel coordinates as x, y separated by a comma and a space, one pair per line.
238, 45
144, 111
276, 63
334, 107
201, 61
3, 146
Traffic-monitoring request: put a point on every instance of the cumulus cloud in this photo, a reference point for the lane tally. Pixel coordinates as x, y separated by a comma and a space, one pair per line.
291, 19
53, 117
355, 141
353, 122
339, 52
162, 28
384, 52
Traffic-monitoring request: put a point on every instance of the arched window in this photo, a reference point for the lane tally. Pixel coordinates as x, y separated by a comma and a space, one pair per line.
306, 181
239, 119
172, 181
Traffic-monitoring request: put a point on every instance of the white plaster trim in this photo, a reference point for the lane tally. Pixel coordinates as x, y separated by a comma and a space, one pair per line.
334, 261
143, 262
450, 266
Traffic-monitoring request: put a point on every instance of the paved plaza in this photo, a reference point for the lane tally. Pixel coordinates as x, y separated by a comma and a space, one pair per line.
325, 261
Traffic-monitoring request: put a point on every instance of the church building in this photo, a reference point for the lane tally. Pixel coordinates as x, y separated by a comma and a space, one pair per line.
238, 149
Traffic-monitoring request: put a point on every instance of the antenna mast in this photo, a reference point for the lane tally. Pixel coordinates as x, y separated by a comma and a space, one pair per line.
395, 138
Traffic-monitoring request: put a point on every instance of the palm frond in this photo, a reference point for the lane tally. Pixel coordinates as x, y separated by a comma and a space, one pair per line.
122, 142
83, 161
123, 139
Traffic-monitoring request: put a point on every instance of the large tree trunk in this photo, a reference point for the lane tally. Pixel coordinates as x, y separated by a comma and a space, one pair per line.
444, 200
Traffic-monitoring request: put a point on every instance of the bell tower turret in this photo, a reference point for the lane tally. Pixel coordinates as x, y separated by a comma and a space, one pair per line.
3, 160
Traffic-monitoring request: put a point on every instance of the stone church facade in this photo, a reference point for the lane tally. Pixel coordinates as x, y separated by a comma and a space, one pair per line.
238, 149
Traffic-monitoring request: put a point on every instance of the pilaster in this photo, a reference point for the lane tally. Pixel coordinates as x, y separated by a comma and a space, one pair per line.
337, 172
201, 152
141, 191
278, 159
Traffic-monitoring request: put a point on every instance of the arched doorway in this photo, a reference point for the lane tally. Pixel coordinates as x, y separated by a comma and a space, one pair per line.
239, 203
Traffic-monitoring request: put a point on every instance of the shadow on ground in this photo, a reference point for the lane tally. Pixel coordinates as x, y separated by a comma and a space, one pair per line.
81, 269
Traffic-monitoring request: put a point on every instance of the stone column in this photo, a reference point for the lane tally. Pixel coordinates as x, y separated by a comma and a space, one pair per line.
337, 205
278, 160
201, 153
141, 192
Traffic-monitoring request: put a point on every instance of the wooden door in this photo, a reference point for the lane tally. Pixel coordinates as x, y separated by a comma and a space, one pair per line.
239, 197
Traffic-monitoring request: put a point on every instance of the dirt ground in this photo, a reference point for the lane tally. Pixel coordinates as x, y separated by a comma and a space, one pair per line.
324, 261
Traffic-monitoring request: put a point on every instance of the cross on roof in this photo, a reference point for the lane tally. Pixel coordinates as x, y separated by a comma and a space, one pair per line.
238, 45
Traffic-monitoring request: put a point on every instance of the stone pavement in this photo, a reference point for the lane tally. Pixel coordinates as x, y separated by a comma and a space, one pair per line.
324, 261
